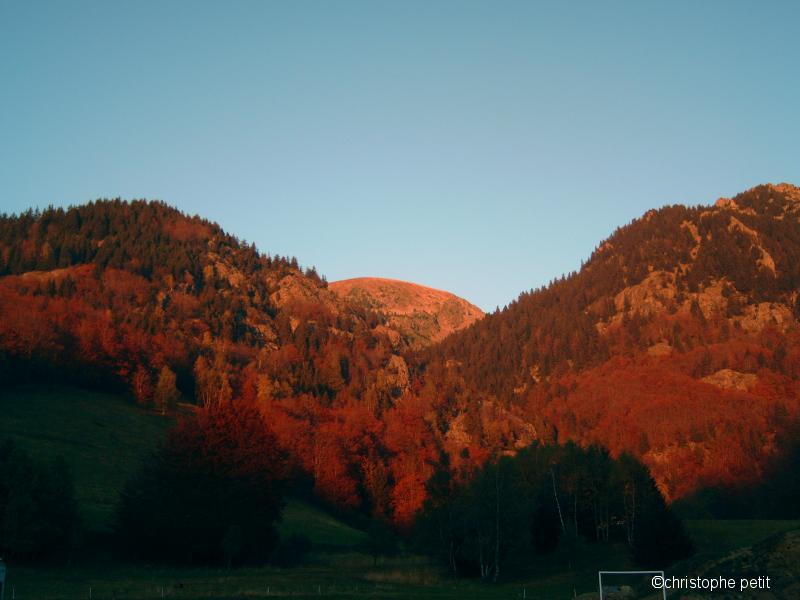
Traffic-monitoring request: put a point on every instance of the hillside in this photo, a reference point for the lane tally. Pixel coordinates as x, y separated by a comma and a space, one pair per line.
677, 341
102, 438
138, 298
420, 315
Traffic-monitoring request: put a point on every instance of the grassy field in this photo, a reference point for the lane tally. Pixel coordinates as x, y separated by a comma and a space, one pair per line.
347, 573
337, 575
104, 437
322, 529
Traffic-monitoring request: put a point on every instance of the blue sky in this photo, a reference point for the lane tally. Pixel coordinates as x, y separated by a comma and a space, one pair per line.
483, 148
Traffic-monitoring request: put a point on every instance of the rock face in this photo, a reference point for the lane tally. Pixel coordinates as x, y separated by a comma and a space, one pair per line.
729, 379
421, 315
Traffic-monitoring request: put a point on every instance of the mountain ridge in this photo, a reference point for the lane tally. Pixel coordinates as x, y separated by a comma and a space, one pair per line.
676, 342
684, 309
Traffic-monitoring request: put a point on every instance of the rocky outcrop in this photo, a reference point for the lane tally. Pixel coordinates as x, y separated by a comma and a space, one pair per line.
660, 349
649, 296
766, 261
729, 379
396, 373
296, 290
758, 316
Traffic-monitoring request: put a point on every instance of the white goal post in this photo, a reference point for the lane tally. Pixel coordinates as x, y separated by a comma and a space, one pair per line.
601, 573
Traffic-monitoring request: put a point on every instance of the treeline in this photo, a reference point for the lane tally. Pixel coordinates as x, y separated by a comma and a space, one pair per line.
148, 238
544, 499
214, 491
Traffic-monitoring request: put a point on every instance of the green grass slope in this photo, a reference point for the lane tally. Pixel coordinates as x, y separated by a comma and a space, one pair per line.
715, 537
324, 530
102, 437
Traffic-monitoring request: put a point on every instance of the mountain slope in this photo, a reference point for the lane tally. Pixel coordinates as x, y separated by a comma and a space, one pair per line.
421, 315
119, 289
102, 438
677, 341
120, 296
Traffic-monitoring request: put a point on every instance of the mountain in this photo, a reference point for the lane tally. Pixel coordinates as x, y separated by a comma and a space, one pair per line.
111, 292
419, 314
140, 298
677, 341
114, 286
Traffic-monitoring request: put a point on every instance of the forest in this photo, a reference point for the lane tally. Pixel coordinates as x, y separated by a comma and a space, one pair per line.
548, 499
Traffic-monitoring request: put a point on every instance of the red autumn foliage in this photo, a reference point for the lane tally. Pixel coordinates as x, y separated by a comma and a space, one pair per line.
110, 293
231, 440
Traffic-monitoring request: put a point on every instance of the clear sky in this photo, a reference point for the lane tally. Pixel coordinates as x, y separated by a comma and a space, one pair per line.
483, 148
